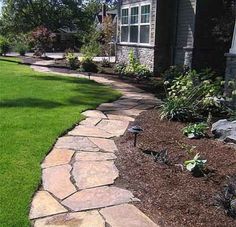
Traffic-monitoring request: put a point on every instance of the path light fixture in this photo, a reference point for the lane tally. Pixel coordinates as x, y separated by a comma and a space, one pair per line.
89, 75
135, 130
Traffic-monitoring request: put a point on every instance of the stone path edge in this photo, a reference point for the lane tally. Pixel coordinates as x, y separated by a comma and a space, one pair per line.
58, 204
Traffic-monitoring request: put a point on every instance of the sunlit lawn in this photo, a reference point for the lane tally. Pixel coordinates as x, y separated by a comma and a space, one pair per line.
35, 109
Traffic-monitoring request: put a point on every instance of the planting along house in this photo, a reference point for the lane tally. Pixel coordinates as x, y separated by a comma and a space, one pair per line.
170, 32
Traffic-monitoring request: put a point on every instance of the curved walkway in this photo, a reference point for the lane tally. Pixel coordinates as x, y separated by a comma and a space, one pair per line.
79, 173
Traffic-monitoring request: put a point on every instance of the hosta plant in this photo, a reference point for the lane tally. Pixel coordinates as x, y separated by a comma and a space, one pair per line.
196, 165
195, 131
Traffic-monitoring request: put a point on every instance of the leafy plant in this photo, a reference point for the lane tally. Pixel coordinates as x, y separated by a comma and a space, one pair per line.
120, 68
72, 60
227, 198
21, 44
200, 92
142, 72
197, 130
195, 165
4, 45
105, 63
87, 65
173, 72
177, 109
91, 50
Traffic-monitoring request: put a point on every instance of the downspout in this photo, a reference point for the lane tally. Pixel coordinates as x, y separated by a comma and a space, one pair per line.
175, 33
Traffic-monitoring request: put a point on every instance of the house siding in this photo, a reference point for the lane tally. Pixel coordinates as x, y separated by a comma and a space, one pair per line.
185, 32
145, 53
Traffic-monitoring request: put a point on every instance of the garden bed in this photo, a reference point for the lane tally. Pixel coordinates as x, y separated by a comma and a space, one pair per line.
170, 196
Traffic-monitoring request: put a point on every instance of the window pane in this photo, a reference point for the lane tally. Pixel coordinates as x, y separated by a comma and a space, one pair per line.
125, 16
144, 33
145, 14
133, 34
134, 15
124, 33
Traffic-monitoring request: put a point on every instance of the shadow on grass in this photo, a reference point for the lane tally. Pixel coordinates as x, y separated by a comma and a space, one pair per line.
30, 102
10, 59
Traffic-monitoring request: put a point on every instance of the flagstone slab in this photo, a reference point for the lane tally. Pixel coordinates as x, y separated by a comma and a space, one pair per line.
97, 198
94, 174
114, 127
107, 145
76, 143
126, 215
94, 114
44, 204
57, 181
130, 112
57, 157
94, 156
120, 118
90, 131
78, 219
90, 121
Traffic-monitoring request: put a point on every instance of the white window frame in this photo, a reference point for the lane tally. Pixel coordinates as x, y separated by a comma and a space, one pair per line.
139, 24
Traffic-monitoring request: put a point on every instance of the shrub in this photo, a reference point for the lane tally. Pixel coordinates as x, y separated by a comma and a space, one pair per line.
200, 92
21, 44
197, 130
142, 72
174, 71
87, 65
105, 63
91, 50
4, 45
177, 109
72, 60
133, 68
120, 68
42, 38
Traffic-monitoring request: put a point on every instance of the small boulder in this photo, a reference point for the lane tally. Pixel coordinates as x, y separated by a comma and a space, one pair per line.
225, 130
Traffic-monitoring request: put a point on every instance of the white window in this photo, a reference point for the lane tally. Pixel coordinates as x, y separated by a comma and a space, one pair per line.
135, 24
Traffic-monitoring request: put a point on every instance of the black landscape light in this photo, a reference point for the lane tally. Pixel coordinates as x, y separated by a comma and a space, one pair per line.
135, 130
89, 75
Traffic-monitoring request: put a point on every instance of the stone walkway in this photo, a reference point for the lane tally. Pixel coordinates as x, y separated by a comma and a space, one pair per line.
79, 173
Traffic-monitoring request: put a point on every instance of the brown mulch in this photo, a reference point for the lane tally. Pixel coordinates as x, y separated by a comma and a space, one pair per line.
170, 196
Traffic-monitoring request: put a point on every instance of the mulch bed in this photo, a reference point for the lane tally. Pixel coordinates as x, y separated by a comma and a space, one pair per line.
170, 196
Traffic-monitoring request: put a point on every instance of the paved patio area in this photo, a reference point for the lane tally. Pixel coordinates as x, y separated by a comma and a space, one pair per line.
79, 172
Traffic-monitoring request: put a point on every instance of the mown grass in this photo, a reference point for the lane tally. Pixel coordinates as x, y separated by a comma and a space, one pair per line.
35, 108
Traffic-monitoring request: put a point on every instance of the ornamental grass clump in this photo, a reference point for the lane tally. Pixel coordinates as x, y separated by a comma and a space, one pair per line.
194, 95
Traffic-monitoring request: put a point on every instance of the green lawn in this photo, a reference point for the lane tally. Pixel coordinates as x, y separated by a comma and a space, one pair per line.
35, 109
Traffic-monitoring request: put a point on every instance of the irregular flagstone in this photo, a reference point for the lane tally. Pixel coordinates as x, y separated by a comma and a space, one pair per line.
107, 145
76, 143
97, 198
120, 118
144, 106
93, 173
57, 157
90, 131
113, 126
130, 112
111, 106
57, 181
94, 114
43, 205
78, 219
126, 215
90, 121
94, 156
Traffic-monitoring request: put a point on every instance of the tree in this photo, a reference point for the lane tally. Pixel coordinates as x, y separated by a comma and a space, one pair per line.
108, 32
42, 38
22, 16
